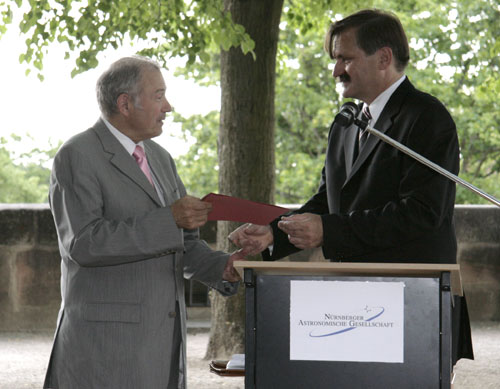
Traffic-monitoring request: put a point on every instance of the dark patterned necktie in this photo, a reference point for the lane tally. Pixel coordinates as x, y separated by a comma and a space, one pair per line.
363, 135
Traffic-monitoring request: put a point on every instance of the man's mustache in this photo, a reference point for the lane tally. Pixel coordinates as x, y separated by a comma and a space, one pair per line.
344, 78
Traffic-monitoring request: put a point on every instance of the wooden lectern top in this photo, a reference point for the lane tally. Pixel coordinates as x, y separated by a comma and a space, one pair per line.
354, 269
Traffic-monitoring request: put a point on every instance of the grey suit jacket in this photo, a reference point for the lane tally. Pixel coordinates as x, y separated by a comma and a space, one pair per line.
123, 262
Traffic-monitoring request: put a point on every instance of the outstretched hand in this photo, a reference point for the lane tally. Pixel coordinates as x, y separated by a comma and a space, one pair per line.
190, 212
253, 238
230, 274
304, 230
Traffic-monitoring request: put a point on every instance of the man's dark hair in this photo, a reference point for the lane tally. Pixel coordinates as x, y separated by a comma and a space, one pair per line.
374, 29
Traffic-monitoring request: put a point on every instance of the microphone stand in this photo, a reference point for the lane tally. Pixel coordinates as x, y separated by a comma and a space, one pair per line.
425, 161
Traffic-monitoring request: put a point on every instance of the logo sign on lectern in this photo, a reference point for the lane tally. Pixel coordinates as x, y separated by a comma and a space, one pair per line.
352, 321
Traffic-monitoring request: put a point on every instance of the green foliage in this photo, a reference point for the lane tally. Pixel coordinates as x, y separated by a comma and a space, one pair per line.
458, 61
199, 168
303, 116
455, 56
305, 104
171, 28
24, 178
6, 17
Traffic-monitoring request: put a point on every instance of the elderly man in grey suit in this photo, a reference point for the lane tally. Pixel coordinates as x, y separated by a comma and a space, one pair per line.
127, 235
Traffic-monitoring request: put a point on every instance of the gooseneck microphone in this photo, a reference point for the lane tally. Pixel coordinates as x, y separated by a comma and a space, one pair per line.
348, 115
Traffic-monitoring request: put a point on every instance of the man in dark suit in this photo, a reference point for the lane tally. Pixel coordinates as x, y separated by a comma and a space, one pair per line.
128, 234
374, 203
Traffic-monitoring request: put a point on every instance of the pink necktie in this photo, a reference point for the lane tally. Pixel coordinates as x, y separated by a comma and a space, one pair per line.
140, 157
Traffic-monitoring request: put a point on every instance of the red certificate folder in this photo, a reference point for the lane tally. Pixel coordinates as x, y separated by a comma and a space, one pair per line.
240, 210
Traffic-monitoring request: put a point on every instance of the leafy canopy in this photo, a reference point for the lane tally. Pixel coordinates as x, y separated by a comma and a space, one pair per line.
24, 178
454, 56
171, 28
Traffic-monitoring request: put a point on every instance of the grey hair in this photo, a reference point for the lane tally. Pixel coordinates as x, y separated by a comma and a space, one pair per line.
123, 76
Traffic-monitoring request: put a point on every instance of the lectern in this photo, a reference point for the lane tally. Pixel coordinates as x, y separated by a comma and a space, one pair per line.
348, 325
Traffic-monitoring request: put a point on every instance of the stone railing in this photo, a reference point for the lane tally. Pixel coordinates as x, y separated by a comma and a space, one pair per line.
478, 235
30, 264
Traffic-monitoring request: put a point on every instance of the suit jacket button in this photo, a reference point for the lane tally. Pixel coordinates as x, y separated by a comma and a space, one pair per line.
172, 314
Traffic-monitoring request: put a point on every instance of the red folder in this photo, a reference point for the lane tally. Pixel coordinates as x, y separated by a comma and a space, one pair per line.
241, 210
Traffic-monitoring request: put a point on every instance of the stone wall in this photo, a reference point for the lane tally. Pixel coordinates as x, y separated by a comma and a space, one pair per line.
478, 235
30, 264
29, 268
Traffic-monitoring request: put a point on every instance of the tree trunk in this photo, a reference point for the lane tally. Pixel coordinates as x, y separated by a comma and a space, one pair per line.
246, 146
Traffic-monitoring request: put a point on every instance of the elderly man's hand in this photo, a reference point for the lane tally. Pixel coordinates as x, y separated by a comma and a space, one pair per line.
190, 212
230, 274
253, 238
304, 230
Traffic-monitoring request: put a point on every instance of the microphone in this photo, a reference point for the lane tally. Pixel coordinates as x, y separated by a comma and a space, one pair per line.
348, 113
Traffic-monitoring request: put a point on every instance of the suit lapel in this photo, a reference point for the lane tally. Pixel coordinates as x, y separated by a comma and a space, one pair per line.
371, 142
165, 177
384, 123
351, 133
160, 173
124, 162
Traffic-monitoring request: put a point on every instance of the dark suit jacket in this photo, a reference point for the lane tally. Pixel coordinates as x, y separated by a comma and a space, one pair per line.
385, 206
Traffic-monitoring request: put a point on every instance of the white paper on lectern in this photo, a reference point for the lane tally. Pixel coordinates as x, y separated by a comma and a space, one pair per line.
237, 362
355, 321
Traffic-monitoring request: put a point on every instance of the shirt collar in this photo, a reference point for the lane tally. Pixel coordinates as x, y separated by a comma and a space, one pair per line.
125, 141
379, 103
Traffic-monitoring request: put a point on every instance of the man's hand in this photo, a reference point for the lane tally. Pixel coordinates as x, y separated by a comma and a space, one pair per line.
253, 238
304, 230
190, 212
230, 274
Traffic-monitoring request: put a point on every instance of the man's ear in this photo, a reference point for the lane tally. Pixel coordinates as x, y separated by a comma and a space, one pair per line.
123, 104
385, 57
